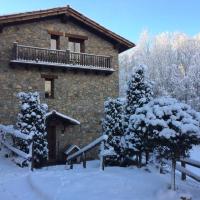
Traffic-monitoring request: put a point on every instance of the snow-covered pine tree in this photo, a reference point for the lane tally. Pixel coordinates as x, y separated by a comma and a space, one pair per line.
31, 121
112, 126
138, 94
139, 91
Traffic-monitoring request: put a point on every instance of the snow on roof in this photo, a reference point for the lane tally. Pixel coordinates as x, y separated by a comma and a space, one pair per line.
54, 112
70, 148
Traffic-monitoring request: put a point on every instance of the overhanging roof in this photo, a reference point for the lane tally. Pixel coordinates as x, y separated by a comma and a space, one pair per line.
63, 117
122, 43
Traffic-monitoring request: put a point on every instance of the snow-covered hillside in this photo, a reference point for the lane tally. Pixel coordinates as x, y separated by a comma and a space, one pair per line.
115, 183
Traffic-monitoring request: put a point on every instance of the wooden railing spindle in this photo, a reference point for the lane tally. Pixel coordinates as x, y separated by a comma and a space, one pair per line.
36, 54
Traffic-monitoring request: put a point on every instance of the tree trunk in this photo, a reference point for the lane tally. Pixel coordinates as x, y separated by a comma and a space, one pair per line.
173, 183
161, 167
139, 160
147, 157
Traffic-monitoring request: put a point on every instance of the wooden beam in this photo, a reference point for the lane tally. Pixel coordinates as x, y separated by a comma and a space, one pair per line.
65, 18
52, 32
81, 37
50, 76
116, 46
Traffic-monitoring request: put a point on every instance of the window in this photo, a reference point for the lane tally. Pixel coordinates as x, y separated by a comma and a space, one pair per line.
49, 88
76, 45
54, 42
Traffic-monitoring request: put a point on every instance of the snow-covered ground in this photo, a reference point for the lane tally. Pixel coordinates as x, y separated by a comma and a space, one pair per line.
115, 183
195, 154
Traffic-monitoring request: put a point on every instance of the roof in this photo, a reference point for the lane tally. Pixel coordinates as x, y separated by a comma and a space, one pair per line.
70, 148
122, 43
63, 117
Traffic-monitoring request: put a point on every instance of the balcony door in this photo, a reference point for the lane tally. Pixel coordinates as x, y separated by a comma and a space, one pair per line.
76, 45
54, 44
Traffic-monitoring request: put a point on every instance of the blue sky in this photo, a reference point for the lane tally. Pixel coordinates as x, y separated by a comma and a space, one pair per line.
125, 17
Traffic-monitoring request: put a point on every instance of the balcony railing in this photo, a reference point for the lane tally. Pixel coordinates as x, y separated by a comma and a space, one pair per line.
61, 58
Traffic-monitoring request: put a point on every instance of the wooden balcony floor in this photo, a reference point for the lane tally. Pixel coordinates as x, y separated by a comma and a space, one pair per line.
61, 66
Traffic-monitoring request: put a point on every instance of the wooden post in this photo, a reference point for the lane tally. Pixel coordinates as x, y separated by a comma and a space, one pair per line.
103, 163
71, 164
173, 175
31, 152
101, 155
183, 175
84, 160
110, 62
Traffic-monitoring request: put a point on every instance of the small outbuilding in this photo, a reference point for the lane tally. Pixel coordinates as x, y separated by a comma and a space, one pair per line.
60, 135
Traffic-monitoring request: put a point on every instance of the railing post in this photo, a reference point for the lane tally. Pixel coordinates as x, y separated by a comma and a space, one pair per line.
84, 160
15, 50
71, 164
102, 155
183, 175
67, 56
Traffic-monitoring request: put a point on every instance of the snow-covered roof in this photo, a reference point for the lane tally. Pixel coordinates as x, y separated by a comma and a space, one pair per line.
70, 148
65, 117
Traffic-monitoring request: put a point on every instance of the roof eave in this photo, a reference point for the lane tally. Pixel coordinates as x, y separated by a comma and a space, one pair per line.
21, 17
63, 117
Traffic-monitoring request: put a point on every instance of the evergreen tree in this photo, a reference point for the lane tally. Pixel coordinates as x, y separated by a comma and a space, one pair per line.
138, 94
139, 91
31, 121
113, 128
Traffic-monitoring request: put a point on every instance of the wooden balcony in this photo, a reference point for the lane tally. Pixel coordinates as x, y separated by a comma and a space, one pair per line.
59, 58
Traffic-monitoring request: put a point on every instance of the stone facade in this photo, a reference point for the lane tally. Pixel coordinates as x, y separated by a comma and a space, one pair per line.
77, 94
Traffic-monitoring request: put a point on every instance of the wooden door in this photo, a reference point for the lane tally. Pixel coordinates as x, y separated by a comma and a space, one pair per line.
51, 138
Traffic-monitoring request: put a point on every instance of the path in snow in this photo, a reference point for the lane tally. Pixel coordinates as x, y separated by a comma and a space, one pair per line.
115, 183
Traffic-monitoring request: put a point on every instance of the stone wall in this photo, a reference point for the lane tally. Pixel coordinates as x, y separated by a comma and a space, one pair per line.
77, 94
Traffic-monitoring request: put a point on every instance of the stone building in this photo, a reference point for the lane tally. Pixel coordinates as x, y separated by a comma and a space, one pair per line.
70, 60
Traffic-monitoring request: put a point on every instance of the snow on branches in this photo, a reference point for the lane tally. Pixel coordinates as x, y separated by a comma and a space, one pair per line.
31, 121
138, 94
139, 90
165, 123
113, 126
173, 63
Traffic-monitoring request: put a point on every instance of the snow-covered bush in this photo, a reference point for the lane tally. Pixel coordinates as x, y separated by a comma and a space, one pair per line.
31, 121
113, 127
167, 125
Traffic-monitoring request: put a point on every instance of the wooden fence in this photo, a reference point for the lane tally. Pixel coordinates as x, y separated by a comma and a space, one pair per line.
185, 172
9, 130
182, 168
